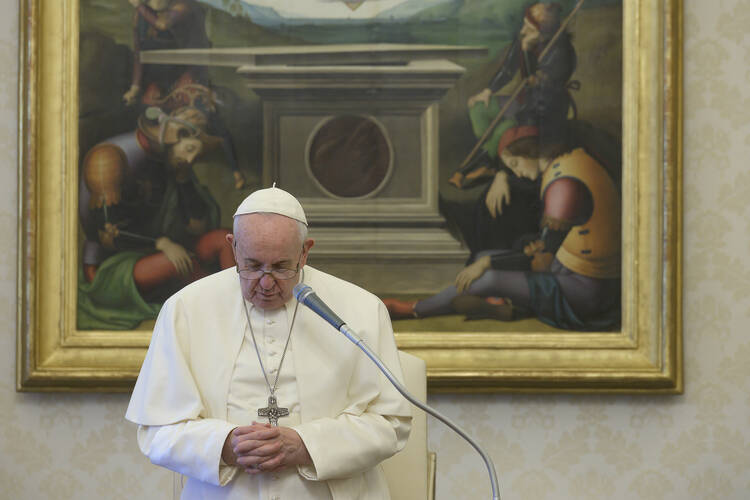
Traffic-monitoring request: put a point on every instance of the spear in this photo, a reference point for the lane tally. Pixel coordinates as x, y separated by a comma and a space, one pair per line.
122, 232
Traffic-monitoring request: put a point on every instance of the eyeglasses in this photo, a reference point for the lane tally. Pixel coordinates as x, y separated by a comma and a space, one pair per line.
279, 273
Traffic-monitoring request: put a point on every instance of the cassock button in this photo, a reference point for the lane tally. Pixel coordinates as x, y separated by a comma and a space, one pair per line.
272, 353
271, 340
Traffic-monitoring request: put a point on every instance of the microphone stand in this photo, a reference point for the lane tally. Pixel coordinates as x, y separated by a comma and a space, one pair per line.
351, 335
303, 293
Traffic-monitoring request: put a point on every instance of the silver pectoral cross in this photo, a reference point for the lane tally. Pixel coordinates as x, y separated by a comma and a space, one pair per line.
272, 411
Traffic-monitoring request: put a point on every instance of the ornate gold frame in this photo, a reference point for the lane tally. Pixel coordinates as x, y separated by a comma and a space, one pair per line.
645, 356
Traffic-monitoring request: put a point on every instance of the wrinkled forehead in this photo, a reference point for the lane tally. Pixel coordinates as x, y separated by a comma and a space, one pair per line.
266, 229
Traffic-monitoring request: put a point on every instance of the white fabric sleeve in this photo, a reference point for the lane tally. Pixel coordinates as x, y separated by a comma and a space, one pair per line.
372, 428
192, 448
165, 391
349, 444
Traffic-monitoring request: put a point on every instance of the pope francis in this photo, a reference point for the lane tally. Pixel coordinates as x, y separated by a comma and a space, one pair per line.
251, 396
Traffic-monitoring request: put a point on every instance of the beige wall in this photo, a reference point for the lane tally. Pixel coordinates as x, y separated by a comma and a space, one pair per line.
545, 447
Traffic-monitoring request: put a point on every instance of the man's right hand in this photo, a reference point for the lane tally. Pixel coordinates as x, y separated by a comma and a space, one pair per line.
483, 96
227, 451
108, 234
264, 448
135, 3
176, 254
533, 247
457, 179
472, 272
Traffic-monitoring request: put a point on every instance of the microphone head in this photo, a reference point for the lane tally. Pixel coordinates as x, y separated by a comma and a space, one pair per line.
301, 291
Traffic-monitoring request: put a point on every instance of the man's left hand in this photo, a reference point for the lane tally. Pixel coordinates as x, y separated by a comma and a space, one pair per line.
131, 96
483, 97
498, 194
264, 448
135, 3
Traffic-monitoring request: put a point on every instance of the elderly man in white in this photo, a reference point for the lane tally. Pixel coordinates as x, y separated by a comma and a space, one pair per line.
250, 395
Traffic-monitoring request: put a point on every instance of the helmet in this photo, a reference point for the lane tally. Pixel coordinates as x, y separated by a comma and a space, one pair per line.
545, 17
103, 172
163, 129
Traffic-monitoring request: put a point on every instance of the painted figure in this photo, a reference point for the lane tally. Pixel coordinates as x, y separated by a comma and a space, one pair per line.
162, 25
508, 207
173, 24
150, 226
568, 275
544, 102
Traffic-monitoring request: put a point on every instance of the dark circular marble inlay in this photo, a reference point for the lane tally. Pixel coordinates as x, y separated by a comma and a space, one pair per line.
349, 156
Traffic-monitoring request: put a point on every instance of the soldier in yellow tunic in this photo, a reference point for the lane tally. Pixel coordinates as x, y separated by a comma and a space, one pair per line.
569, 275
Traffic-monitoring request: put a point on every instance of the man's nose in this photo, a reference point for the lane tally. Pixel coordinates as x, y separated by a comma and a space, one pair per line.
267, 281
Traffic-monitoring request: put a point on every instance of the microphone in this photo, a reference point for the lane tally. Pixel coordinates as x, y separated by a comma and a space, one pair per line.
306, 296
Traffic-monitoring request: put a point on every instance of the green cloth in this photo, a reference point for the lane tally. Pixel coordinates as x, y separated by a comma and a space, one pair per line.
549, 304
112, 301
481, 116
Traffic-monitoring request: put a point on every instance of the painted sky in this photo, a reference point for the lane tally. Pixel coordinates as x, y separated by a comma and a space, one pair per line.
332, 8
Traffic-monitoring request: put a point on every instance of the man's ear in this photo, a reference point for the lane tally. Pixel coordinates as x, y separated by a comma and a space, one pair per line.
306, 246
233, 244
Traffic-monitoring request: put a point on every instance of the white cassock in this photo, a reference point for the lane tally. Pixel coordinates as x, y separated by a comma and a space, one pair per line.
201, 379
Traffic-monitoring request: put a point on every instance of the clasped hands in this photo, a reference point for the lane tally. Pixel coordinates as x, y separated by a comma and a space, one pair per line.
263, 448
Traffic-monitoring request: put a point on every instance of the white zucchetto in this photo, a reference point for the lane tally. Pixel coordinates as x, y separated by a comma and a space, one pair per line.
273, 201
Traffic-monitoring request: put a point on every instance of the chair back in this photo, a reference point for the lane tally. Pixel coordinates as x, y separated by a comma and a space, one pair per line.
409, 473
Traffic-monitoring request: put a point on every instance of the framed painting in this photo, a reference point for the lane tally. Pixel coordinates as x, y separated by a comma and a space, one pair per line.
506, 176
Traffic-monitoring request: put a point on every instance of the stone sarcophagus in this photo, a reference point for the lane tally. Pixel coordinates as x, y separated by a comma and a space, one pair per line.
352, 131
